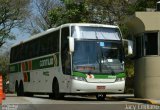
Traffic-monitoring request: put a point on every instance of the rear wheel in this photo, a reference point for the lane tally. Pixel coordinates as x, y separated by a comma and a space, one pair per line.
101, 97
56, 93
51, 96
28, 94
21, 89
16, 87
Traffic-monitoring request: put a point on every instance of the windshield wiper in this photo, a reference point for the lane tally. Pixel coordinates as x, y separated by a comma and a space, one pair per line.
101, 60
107, 64
99, 57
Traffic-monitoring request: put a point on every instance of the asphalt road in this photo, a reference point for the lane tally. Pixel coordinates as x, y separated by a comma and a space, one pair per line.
42, 102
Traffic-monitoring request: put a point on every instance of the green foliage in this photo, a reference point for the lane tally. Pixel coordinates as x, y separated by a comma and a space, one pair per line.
4, 62
56, 16
141, 5
12, 13
70, 13
129, 65
125, 31
76, 12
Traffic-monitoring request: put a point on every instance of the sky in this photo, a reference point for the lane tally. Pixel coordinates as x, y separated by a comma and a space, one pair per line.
20, 36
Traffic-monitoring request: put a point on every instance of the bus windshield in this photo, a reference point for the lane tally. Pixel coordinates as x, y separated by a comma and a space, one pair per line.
84, 32
92, 56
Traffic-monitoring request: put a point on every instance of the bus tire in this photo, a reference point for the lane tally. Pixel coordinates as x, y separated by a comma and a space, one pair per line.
56, 94
51, 96
28, 94
21, 89
16, 87
101, 97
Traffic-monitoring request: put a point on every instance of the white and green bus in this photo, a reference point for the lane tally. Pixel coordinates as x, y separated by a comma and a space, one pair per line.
75, 58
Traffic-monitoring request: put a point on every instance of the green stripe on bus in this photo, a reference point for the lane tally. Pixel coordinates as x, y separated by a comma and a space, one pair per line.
100, 76
45, 62
40, 63
15, 68
121, 75
79, 74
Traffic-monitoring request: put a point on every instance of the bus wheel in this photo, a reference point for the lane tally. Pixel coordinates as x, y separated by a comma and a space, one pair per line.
21, 89
101, 97
51, 96
56, 94
16, 87
28, 94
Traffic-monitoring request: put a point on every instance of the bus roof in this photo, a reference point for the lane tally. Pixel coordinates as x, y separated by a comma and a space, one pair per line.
61, 26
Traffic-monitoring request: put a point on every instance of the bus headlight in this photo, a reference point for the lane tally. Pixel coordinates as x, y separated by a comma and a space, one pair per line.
120, 79
78, 78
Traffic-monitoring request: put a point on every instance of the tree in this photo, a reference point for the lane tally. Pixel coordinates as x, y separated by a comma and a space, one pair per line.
108, 11
12, 14
93, 11
76, 12
4, 62
39, 20
141, 5
70, 12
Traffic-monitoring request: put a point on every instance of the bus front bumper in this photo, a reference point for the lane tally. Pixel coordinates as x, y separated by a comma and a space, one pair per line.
86, 87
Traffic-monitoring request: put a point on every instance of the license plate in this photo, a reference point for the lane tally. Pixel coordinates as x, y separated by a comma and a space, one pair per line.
101, 87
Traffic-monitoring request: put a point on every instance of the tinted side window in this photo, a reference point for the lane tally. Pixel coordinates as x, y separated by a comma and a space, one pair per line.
49, 43
139, 44
34, 48
43, 45
12, 55
54, 41
151, 44
147, 44
65, 56
18, 53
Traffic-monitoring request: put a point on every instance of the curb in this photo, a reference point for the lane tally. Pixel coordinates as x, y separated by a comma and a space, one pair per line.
147, 101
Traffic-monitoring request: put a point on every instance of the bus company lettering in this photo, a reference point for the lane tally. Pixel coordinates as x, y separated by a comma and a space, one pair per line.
46, 62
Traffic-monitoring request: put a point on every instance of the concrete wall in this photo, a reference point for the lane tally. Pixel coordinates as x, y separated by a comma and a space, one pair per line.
151, 20
143, 22
147, 77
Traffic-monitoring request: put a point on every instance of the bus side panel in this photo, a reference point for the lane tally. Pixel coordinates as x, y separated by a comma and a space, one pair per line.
41, 80
13, 77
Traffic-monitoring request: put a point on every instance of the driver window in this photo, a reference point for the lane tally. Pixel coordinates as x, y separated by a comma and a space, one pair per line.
65, 56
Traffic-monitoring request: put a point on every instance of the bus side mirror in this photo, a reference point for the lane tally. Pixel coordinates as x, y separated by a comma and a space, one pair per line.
128, 46
71, 44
